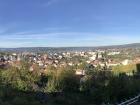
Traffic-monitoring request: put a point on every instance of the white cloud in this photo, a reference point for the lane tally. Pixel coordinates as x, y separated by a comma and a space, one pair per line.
66, 39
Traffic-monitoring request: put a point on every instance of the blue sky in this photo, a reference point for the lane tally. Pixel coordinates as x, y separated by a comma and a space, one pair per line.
58, 23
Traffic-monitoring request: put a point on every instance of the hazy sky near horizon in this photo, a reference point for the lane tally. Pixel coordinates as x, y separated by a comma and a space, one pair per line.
57, 23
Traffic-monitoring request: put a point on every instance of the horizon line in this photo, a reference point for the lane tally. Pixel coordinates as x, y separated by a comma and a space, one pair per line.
70, 46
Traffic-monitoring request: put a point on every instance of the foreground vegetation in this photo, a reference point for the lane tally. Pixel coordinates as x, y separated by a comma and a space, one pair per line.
62, 87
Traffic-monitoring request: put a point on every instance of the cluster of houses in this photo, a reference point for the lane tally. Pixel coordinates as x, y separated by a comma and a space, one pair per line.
62, 59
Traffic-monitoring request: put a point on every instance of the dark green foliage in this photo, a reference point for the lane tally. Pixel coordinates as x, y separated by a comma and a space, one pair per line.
67, 81
18, 86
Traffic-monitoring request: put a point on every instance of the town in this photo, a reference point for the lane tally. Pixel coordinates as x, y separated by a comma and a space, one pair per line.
102, 59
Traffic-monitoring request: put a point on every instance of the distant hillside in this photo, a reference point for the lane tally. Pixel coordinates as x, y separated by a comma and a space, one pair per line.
59, 49
132, 45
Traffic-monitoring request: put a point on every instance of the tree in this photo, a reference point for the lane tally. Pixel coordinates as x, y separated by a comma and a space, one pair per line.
68, 81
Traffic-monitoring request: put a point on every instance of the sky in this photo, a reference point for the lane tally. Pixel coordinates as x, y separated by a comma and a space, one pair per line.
68, 23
